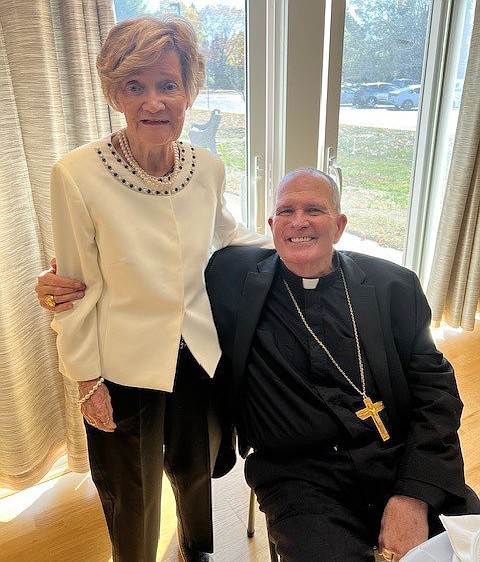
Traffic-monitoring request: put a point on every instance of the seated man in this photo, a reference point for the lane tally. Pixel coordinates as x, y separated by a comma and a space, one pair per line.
334, 381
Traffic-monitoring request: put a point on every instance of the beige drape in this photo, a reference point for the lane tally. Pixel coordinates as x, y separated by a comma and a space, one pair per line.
454, 286
50, 102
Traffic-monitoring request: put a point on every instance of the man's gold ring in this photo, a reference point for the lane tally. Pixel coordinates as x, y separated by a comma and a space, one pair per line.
387, 554
49, 300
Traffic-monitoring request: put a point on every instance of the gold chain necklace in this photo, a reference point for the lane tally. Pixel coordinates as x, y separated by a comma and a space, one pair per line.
371, 409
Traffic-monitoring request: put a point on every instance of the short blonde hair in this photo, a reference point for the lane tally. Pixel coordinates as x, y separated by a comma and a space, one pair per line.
135, 45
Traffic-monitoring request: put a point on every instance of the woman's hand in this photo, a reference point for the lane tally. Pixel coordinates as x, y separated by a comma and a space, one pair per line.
63, 290
97, 410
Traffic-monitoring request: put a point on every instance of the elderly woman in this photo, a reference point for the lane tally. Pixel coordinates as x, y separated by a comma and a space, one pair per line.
135, 216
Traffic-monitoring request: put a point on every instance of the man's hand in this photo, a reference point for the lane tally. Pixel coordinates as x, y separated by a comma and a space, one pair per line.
404, 526
63, 289
97, 410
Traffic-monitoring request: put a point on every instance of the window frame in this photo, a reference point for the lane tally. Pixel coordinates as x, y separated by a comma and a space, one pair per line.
302, 116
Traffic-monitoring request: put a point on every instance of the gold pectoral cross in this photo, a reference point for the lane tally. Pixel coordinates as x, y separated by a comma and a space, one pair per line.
371, 411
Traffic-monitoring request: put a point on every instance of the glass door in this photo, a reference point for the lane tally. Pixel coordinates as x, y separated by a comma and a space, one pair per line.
383, 59
401, 74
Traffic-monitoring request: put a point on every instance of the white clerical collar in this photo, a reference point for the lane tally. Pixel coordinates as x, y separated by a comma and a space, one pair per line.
309, 283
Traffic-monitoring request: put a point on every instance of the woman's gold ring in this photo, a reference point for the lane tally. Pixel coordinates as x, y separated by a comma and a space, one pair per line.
49, 300
387, 554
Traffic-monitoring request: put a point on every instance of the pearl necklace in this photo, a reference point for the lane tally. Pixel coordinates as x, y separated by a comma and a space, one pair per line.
152, 181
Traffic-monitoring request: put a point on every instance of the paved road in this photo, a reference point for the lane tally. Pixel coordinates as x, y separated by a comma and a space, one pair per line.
383, 117
231, 102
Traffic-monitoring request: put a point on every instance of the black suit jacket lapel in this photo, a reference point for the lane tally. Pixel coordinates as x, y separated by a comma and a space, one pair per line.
255, 290
369, 325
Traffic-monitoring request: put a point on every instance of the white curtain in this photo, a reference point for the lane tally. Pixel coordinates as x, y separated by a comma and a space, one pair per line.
50, 102
454, 286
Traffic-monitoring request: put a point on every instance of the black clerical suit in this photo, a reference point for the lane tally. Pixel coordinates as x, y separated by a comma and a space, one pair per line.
308, 480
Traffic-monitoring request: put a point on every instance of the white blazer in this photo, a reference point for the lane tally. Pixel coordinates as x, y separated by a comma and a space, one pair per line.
142, 257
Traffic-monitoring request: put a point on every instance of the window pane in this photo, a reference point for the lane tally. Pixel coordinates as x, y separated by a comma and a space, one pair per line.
461, 65
217, 119
455, 68
224, 93
382, 69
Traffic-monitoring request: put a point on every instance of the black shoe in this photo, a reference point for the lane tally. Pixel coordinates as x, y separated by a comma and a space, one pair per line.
188, 554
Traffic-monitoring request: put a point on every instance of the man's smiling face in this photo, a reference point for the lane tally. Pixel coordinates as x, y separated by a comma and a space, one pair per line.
306, 224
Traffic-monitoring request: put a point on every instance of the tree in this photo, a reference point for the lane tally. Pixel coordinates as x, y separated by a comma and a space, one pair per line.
125, 9
224, 46
188, 12
132, 8
384, 39
235, 60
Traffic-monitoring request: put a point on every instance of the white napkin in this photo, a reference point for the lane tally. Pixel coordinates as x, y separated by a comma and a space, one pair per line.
464, 534
436, 549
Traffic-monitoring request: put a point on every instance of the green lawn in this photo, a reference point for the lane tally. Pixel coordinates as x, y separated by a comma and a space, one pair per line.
230, 144
376, 165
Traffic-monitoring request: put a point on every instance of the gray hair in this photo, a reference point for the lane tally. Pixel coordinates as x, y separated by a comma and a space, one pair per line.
319, 175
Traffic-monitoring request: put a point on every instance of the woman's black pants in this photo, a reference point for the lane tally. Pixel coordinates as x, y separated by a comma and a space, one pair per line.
177, 432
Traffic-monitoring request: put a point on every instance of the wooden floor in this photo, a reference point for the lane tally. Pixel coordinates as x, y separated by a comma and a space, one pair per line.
462, 349
61, 520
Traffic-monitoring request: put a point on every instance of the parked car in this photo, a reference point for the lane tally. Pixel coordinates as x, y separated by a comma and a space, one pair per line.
347, 95
403, 82
373, 93
405, 98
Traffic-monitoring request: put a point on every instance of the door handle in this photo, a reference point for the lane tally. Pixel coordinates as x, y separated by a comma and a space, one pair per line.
334, 169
